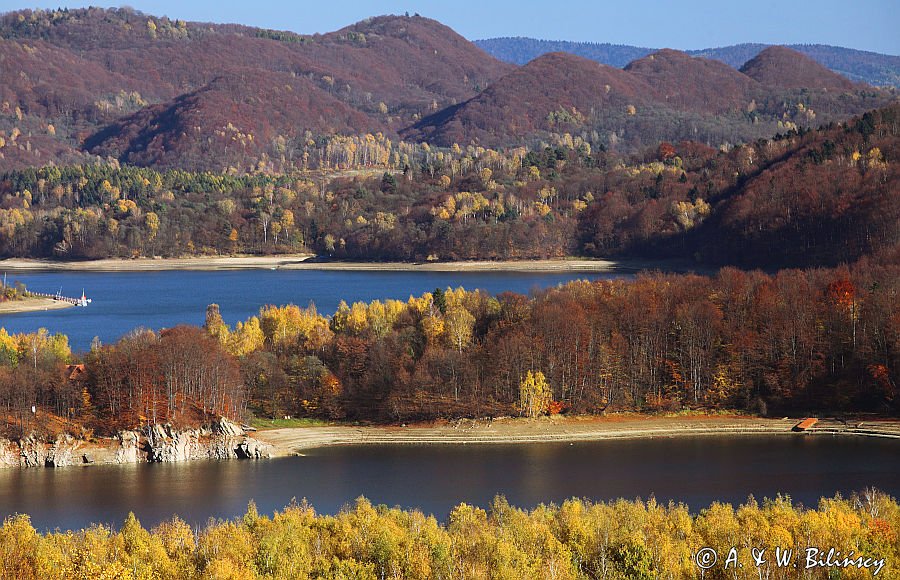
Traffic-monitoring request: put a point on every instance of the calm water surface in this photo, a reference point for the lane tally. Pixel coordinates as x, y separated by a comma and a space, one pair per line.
123, 301
695, 470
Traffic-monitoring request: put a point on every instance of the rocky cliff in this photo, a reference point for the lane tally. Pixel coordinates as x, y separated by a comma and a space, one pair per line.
159, 443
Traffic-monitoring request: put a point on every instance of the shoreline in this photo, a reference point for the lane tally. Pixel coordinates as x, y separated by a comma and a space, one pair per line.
294, 440
32, 305
308, 262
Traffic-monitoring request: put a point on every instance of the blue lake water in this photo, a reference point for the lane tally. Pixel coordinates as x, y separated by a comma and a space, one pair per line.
123, 301
434, 478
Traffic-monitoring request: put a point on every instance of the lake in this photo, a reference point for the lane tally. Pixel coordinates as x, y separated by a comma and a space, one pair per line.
123, 301
694, 470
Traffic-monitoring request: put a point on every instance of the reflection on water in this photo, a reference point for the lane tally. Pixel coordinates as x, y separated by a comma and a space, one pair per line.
695, 470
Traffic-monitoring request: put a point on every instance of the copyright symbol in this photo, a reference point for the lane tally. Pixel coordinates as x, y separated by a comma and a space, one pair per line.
706, 558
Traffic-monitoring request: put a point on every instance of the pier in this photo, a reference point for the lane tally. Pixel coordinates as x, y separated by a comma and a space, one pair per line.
83, 301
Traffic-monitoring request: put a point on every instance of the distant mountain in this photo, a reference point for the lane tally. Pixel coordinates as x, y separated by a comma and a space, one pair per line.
522, 50
778, 66
683, 82
857, 65
150, 91
553, 92
666, 95
96, 73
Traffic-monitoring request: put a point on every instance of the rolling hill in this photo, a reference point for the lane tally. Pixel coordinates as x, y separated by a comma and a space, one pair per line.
872, 68
113, 69
778, 66
667, 95
553, 92
144, 90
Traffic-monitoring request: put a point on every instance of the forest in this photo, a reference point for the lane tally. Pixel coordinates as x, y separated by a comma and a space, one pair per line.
796, 342
117, 84
857, 65
802, 198
577, 539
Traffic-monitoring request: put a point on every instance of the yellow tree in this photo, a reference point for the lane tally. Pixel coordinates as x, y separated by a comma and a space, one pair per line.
534, 394
246, 338
152, 222
458, 325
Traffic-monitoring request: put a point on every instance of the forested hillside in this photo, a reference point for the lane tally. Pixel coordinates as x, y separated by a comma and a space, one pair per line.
92, 84
377, 74
665, 96
880, 70
821, 197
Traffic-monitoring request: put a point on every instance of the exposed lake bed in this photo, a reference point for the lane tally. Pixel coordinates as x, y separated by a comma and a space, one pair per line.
696, 460
696, 470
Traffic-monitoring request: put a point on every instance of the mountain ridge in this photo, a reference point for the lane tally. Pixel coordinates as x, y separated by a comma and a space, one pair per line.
140, 89
857, 65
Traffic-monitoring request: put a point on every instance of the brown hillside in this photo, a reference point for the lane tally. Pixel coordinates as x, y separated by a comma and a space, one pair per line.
779, 66
234, 121
695, 84
48, 81
92, 71
412, 64
408, 58
556, 91
831, 198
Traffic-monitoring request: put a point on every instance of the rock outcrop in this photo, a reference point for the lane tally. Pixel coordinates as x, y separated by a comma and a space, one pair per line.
9, 454
221, 440
130, 449
166, 445
160, 443
63, 452
251, 448
32, 452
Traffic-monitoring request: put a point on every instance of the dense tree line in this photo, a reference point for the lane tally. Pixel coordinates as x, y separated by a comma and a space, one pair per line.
804, 198
577, 539
179, 376
33, 373
824, 341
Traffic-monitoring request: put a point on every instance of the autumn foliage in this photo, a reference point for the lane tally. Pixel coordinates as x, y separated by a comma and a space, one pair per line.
816, 341
576, 539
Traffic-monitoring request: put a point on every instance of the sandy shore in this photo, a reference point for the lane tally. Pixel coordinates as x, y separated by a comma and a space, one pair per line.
150, 264
32, 305
560, 265
560, 429
304, 262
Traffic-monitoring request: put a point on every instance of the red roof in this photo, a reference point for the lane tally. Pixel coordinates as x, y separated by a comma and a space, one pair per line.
74, 371
806, 424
